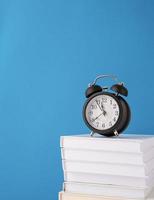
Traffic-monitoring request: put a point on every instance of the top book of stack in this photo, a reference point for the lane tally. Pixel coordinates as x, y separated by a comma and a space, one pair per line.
123, 143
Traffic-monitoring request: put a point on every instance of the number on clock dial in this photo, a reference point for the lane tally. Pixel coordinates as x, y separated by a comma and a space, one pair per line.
102, 112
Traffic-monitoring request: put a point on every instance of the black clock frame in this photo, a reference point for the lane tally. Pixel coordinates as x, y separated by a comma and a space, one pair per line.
124, 115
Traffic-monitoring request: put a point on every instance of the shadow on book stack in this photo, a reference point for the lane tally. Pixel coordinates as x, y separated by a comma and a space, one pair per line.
99, 168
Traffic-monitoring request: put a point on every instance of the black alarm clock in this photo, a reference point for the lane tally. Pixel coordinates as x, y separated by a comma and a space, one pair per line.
105, 111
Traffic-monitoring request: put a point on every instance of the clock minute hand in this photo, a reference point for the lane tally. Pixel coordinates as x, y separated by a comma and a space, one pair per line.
97, 117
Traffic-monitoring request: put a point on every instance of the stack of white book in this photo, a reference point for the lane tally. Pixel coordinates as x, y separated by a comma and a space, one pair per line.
103, 168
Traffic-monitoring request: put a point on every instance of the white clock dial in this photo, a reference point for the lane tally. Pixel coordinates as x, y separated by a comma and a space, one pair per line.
102, 112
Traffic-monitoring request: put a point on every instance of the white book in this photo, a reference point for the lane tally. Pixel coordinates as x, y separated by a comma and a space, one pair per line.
107, 190
77, 196
109, 179
107, 156
109, 168
123, 143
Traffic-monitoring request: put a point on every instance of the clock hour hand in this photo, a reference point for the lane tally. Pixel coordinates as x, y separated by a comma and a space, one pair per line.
104, 112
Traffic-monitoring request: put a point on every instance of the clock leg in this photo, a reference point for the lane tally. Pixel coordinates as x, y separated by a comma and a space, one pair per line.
92, 133
116, 133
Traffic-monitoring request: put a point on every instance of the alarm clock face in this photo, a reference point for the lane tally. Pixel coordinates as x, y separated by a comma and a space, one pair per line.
102, 112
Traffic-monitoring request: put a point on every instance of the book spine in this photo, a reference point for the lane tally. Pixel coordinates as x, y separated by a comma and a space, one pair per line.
95, 144
105, 168
108, 179
102, 156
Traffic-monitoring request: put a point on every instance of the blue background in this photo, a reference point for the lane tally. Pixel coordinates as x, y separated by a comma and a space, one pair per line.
49, 52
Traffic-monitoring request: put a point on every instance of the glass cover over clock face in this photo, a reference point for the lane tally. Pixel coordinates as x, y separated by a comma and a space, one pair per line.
102, 112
